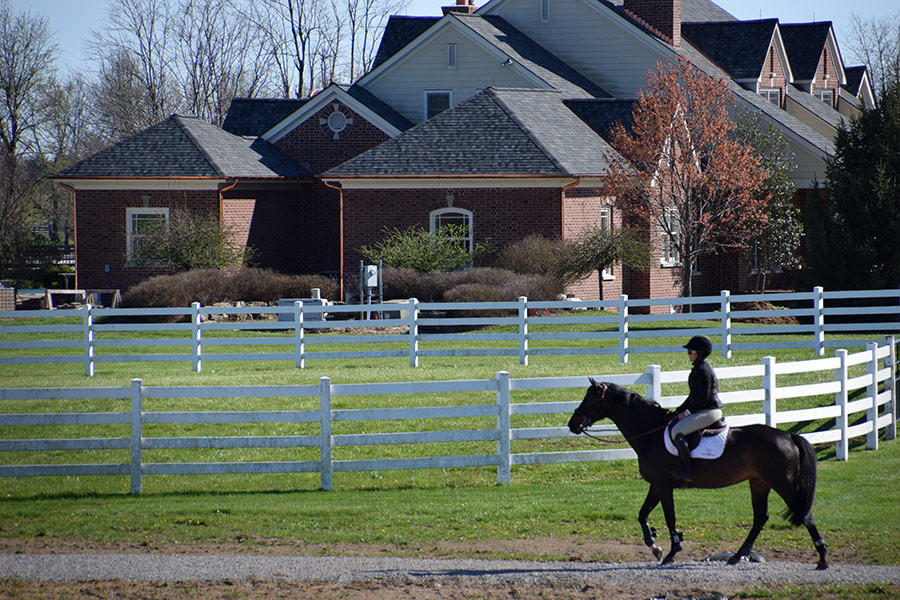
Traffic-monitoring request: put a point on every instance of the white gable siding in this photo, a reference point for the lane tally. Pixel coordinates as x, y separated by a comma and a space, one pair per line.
808, 167
592, 39
810, 119
403, 84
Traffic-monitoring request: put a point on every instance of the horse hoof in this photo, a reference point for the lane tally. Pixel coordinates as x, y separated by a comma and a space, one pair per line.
668, 560
657, 552
821, 566
735, 559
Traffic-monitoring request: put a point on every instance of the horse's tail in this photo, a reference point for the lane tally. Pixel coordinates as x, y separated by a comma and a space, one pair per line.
800, 507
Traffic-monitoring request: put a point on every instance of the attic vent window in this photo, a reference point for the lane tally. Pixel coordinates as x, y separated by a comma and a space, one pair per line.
336, 121
451, 56
545, 11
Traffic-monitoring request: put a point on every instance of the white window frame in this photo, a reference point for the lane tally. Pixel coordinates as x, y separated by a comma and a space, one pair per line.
451, 56
821, 93
545, 11
130, 235
768, 93
669, 254
436, 216
429, 93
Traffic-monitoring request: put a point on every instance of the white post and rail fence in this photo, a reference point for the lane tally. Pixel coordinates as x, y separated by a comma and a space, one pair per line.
414, 330
854, 395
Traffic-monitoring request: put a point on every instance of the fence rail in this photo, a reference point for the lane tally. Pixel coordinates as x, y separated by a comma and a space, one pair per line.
425, 329
871, 411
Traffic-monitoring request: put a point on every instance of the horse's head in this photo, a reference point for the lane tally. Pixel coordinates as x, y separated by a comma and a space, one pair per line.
591, 408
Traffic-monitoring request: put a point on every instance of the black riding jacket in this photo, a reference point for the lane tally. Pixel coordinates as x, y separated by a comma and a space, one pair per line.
704, 387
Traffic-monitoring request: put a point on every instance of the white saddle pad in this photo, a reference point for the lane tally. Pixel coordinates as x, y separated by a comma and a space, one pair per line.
710, 446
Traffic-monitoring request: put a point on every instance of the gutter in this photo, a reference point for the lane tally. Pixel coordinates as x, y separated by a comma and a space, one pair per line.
562, 206
222, 201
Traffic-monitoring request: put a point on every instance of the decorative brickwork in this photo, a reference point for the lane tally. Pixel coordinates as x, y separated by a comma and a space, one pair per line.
318, 148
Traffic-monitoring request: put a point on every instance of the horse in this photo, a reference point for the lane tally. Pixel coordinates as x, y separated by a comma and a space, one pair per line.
768, 457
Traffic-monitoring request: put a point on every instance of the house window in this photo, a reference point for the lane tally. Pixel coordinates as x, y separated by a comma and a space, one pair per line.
826, 96
138, 221
436, 102
669, 239
460, 218
772, 95
545, 11
451, 56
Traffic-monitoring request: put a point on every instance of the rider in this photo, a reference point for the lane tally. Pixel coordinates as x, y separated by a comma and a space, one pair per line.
702, 407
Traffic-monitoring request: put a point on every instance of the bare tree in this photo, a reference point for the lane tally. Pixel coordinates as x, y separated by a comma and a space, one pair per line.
366, 20
876, 43
27, 56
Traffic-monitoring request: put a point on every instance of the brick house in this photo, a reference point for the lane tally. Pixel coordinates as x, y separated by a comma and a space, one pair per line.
492, 117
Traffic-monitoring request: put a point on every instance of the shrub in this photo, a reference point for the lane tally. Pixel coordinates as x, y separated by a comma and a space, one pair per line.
209, 286
475, 285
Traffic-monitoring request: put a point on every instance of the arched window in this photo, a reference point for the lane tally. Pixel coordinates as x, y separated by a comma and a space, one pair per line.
460, 218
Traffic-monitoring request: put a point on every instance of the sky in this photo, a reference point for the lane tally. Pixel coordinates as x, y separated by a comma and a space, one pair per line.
73, 20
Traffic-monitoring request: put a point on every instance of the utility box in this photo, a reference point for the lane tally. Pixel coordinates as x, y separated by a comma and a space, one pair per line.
370, 276
316, 300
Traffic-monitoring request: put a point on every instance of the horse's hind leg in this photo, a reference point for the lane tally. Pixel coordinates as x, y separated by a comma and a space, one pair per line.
759, 493
821, 548
649, 533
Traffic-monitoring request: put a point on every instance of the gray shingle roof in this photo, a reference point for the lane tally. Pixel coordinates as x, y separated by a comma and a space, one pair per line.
399, 31
374, 103
255, 116
183, 146
693, 10
815, 106
601, 114
738, 47
854, 78
803, 43
515, 44
498, 131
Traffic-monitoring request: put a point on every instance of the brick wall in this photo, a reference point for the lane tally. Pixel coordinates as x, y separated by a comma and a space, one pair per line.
773, 73
314, 146
582, 212
662, 16
100, 230
501, 216
826, 74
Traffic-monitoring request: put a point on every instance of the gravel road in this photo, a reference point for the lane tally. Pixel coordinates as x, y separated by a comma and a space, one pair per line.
343, 569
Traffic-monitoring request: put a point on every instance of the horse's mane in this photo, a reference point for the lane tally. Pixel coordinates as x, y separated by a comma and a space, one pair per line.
650, 410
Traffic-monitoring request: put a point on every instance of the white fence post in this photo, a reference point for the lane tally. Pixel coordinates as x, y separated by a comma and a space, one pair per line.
197, 336
770, 402
136, 434
299, 334
890, 432
623, 328
523, 330
819, 320
413, 332
325, 440
842, 447
503, 429
872, 392
89, 340
726, 324
654, 388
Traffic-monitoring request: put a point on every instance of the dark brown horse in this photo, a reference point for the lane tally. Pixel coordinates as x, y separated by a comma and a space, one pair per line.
768, 457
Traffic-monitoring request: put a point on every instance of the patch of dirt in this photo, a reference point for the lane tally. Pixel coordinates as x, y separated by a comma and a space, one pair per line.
786, 320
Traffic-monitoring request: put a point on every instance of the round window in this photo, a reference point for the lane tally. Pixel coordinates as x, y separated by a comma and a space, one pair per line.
337, 121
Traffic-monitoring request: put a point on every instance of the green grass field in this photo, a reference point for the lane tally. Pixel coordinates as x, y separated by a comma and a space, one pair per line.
413, 511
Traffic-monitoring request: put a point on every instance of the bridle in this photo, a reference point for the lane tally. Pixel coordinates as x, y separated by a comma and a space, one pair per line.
585, 431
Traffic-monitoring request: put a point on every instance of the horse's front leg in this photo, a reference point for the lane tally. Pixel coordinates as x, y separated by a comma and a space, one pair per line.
649, 533
668, 504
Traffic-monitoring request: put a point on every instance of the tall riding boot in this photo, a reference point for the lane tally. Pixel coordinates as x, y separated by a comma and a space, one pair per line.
684, 459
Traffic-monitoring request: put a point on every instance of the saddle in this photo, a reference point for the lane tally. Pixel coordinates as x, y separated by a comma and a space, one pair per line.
707, 443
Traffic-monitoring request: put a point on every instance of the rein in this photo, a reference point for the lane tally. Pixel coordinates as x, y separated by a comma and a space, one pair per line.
628, 440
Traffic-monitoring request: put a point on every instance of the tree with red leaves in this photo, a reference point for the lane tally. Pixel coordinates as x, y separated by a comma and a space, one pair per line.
680, 172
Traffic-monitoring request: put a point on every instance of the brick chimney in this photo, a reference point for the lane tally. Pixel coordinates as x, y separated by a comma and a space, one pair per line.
466, 7
661, 16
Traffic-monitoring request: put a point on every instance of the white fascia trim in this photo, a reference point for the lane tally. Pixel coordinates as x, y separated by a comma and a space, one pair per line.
865, 91
333, 93
782, 54
418, 183
145, 184
789, 132
836, 57
449, 20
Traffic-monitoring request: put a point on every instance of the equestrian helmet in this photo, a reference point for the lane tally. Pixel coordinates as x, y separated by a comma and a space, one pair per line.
701, 344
